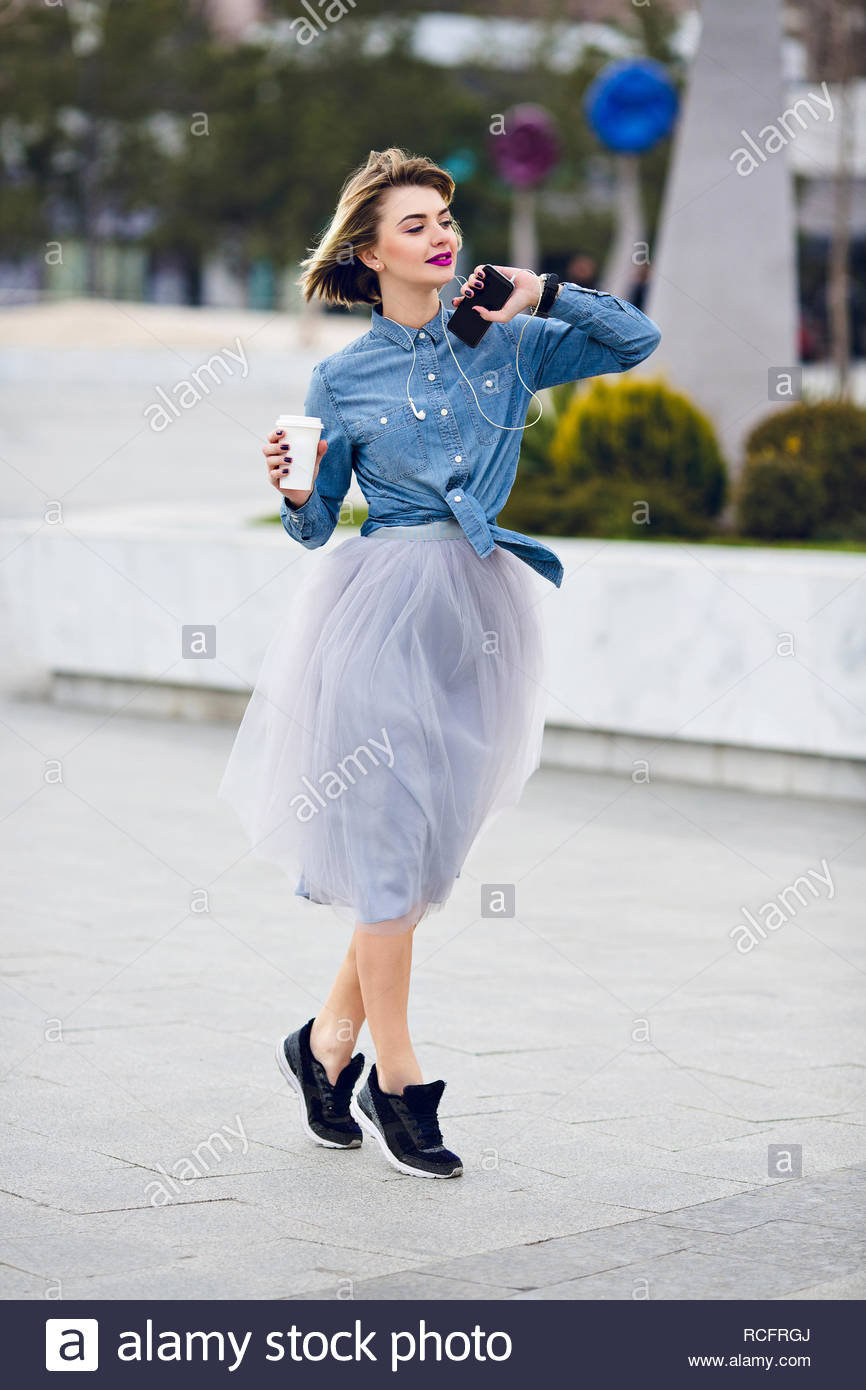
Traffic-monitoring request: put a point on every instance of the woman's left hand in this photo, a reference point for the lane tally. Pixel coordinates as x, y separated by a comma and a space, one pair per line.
527, 288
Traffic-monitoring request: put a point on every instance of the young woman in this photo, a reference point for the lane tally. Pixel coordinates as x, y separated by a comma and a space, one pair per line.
400, 705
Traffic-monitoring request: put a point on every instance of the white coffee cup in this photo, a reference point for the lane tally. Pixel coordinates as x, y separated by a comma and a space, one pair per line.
302, 433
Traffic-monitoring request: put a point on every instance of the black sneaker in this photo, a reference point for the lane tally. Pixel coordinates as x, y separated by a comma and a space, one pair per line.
324, 1108
406, 1128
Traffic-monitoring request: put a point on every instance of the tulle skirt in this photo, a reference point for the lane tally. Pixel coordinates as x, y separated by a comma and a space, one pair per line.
399, 708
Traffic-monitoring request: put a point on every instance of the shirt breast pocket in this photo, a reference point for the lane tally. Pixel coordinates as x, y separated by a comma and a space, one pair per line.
493, 389
391, 443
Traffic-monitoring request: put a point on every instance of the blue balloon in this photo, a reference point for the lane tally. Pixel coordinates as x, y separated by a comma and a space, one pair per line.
631, 104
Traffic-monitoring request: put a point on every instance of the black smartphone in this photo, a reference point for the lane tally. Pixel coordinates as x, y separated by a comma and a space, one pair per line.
470, 327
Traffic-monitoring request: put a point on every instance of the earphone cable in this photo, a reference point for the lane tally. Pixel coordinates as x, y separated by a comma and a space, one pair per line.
420, 415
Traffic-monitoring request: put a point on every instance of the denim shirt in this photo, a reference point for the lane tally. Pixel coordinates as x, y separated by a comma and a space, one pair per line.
452, 462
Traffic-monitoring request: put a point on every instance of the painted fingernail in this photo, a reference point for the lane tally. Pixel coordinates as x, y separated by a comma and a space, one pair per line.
279, 432
284, 470
284, 446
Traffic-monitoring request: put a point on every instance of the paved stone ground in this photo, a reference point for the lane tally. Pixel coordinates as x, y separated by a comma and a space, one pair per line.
616, 1069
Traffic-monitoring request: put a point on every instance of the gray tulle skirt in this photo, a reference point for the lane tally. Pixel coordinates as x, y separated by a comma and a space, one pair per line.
399, 708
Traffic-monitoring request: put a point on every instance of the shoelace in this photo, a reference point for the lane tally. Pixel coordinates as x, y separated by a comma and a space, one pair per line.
335, 1099
429, 1133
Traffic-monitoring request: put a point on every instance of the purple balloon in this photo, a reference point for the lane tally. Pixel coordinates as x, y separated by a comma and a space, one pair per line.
528, 148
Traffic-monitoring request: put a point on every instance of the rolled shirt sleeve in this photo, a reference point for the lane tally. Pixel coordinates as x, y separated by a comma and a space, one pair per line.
589, 332
313, 523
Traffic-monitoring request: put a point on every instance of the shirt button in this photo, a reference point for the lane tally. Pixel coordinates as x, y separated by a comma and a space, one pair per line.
457, 497
383, 419
422, 335
431, 376
488, 383
443, 411
458, 458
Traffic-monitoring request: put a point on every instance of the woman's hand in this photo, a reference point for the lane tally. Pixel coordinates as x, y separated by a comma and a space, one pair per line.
527, 288
278, 453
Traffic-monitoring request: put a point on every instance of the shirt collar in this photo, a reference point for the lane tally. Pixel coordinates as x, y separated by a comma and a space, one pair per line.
388, 328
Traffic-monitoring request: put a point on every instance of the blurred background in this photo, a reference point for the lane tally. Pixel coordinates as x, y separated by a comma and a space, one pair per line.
166, 159
167, 166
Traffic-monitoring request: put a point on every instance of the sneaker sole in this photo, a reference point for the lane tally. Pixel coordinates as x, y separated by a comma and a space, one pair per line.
283, 1064
372, 1129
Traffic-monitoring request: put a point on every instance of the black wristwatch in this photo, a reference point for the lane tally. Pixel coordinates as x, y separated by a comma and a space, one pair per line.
548, 294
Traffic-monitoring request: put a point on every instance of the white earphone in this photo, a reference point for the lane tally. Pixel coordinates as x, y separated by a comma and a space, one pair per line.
420, 414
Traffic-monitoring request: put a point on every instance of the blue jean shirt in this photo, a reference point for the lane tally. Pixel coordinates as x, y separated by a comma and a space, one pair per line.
452, 462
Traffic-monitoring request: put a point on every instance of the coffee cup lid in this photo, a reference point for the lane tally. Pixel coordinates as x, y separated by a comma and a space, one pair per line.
294, 420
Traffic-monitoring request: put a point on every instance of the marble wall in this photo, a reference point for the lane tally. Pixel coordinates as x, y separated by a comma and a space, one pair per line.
683, 644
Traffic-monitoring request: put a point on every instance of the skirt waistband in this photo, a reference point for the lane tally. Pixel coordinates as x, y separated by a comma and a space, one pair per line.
443, 529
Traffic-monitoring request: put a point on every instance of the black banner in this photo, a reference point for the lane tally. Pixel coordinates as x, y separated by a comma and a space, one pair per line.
417, 1344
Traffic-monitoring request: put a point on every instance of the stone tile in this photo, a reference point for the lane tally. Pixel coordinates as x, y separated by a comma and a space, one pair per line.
830, 1199
550, 1146
653, 1189
411, 1285
636, 1086
814, 1252
20, 1283
679, 1129
826, 1147
171, 1280
21, 1217
737, 1213
845, 1083
556, 1260
852, 1287
680, 1275
55, 1255
629, 1241
274, 1269
760, 1103
384, 1210
77, 1190
223, 1222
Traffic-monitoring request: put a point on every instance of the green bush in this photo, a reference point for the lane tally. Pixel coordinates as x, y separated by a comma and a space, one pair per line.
629, 459
779, 497
823, 438
537, 440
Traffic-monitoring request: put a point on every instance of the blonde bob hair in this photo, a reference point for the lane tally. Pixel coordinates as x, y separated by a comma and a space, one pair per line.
333, 272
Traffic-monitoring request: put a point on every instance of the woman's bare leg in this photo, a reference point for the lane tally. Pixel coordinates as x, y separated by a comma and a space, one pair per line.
337, 1024
339, 1021
384, 965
